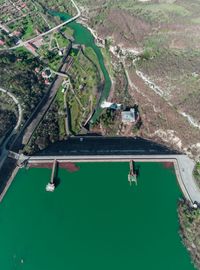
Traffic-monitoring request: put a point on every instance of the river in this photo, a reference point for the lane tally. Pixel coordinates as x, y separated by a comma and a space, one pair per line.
84, 37
93, 220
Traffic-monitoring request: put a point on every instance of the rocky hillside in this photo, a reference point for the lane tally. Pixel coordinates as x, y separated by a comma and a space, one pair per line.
165, 36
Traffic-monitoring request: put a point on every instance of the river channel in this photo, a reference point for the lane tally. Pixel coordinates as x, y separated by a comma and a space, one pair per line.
84, 37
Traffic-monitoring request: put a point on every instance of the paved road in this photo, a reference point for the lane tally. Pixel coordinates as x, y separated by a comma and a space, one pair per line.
22, 43
183, 167
42, 110
4, 152
16, 101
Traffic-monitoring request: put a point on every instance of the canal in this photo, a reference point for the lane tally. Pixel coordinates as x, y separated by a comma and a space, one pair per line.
93, 220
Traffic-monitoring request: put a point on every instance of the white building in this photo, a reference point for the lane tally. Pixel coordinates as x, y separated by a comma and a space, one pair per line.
128, 116
114, 106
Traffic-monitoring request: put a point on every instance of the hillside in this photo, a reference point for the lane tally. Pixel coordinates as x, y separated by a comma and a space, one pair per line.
165, 36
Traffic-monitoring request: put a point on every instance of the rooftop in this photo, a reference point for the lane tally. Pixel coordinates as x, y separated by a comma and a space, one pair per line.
128, 116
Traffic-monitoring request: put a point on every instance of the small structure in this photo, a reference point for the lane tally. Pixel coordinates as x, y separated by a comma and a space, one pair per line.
46, 73
1, 42
29, 46
195, 205
50, 187
110, 105
128, 116
47, 82
38, 42
132, 176
60, 52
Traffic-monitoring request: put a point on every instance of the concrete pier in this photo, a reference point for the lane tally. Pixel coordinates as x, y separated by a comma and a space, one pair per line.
183, 165
53, 171
50, 187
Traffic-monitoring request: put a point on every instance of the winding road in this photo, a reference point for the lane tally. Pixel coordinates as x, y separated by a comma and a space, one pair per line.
16, 101
4, 151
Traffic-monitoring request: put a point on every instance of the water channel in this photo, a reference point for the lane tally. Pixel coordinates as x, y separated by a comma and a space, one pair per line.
84, 37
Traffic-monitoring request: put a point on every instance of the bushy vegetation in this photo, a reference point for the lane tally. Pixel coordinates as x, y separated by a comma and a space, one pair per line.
46, 133
85, 80
59, 6
80, 90
196, 173
107, 118
189, 230
7, 121
167, 33
18, 75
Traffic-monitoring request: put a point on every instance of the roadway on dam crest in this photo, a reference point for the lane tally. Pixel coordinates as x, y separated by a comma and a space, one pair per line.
183, 166
118, 149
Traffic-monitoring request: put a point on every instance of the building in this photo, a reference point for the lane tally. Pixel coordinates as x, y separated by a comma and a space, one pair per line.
2, 42
110, 105
128, 116
46, 73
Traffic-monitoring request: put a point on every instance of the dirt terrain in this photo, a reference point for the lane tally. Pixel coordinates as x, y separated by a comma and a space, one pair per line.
166, 36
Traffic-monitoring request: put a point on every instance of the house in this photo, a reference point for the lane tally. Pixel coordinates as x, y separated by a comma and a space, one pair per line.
128, 116
2, 42
46, 73
110, 105
16, 33
37, 70
47, 82
31, 47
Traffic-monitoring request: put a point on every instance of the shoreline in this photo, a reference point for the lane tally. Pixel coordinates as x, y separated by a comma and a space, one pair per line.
184, 176
188, 187
8, 184
69, 166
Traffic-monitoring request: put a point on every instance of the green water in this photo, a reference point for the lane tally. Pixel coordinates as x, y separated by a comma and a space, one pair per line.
94, 220
84, 37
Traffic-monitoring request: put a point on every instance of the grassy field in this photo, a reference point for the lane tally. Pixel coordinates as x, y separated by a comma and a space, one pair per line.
85, 79
61, 114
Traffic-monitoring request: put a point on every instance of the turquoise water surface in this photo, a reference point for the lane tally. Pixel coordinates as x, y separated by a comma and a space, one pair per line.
93, 220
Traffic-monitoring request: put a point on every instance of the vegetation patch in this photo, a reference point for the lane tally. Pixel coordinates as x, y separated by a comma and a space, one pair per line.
189, 230
46, 133
7, 122
196, 173
18, 75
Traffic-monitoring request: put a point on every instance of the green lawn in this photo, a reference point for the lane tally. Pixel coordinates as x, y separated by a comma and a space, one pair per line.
29, 30
61, 117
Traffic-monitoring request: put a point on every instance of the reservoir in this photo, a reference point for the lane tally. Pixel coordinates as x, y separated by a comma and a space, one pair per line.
93, 220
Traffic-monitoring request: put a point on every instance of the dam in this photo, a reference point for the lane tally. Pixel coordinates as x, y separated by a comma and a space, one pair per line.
120, 149
97, 212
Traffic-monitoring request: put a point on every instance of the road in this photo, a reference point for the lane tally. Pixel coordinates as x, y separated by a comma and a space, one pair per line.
22, 43
183, 166
4, 152
42, 110
16, 101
